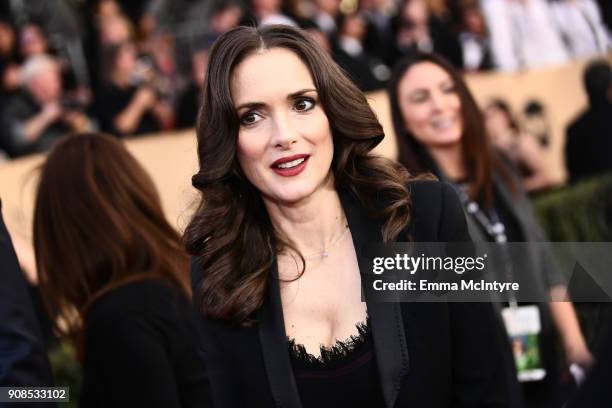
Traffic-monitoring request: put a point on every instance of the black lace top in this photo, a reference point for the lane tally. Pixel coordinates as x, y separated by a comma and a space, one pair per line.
345, 375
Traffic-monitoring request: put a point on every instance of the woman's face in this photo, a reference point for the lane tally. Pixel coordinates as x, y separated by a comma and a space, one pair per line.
430, 105
285, 145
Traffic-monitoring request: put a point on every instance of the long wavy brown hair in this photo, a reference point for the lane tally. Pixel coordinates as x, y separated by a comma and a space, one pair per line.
231, 234
479, 159
99, 224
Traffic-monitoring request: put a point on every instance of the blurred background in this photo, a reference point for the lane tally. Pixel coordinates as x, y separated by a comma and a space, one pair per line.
539, 69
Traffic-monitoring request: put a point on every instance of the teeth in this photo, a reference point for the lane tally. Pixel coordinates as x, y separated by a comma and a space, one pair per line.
290, 164
442, 123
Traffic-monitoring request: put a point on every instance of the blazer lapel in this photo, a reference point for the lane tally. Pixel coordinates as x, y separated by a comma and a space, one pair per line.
274, 346
386, 320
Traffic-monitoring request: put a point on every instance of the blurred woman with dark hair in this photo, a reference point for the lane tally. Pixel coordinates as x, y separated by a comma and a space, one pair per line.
290, 194
113, 272
440, 129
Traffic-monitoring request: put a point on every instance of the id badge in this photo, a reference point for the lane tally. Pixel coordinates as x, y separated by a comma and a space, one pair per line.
523, 325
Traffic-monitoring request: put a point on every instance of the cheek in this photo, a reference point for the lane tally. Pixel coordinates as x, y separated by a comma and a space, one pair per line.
416, 118
250, 152
316, 130
55, 86
317, 127
455, 104
253, 142
327, 148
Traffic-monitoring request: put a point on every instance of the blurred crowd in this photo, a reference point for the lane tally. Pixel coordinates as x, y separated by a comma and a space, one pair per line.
135, 67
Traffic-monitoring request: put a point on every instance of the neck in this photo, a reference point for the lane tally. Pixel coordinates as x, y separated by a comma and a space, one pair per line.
450, 160
311, 224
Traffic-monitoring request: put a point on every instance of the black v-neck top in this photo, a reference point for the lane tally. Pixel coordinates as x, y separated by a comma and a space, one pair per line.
345, 374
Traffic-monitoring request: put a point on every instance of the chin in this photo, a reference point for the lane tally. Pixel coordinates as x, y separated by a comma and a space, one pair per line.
448, 138
293, 194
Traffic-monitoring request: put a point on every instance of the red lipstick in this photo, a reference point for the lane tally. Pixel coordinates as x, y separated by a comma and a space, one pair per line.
290, 171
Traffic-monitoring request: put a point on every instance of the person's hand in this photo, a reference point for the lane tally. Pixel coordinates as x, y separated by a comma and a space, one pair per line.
51, 111
83, 95
145, 97
77, 121
165, 114
579, 354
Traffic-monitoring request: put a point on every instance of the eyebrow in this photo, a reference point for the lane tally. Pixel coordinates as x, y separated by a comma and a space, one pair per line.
254, 105
440, 84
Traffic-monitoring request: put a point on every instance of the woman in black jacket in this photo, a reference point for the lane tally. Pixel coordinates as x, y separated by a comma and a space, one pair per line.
290, 196
440, 129
113, 273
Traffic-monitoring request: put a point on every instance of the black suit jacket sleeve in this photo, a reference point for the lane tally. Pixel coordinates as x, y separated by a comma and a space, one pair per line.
140, 350
23, 357
147, 380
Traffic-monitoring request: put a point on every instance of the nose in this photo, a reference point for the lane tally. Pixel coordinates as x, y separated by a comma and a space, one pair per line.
285, 133
438, 101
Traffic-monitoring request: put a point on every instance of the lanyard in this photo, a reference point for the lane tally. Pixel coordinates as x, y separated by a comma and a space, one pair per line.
490, 222
493, 227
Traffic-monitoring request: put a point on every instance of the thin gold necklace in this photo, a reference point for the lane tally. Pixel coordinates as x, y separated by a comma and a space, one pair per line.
325, 252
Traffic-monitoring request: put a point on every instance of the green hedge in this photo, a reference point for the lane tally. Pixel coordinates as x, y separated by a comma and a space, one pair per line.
578, 213
582, 213
66, 370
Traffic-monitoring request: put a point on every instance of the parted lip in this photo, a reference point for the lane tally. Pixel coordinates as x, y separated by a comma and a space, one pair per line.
288, 159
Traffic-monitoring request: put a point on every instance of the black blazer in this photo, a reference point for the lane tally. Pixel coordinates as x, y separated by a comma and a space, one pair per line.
23, 356
428, 354
141, 350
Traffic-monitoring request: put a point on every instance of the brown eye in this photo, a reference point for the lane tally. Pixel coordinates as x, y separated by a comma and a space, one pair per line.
250, 118
419, 97
303, 104
450, 88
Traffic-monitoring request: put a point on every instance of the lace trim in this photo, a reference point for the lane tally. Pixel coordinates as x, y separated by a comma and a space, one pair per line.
337, 351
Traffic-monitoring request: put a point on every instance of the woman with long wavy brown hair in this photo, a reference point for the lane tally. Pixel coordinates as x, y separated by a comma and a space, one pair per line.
290, 194
440, 129
113, 274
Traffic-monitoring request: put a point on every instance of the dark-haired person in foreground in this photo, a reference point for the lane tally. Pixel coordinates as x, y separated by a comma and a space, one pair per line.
440, 129
113, 270
290, 194
23, 357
